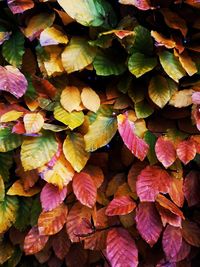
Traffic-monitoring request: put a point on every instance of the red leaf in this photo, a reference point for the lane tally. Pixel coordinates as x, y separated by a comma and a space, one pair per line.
172, 241
19, 128
84, 189
121, 249
148, 222
120, 206
61, 244
165, 151
186, 151
191, 233
135, 144
96, 241
51, 197
176, 191
12, 81
168, 217
19, 6
191, 188
151, 181
96, 174
44, 87
34, 242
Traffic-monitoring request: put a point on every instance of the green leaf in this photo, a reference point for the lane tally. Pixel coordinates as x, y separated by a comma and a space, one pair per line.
143, 41
143, 109
77, 55
100, 132
35, 211
37, 151
15, 258
23, 214
171, 65
108, 63
13, 49
8, 212
5, 164
151, 141
159, 91
2, 189
8, 140
73, 119
74, 151
139, 64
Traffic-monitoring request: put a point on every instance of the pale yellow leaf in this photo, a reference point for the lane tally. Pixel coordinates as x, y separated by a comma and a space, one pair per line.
182, 98
90, 99
11, 116
70, 98
33, 122
52, 36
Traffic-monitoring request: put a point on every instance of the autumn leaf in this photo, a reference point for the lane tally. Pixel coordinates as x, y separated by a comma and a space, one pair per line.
182, 98
191, 233
191, 188
61, 244
33, 122
176, 191
167, 217
52, 36
143, 5
11, 116
70, 98
90, 99
18, 6
120, 206
186, 151
17, 190
162, 40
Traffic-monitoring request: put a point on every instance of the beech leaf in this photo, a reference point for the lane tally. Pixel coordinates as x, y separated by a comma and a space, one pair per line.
120, 206
186, 151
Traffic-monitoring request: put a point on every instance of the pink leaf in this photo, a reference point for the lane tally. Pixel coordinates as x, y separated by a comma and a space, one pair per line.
19, 6
191, 188
168, 217
183, 252
172, 241
121, 249
196, 98
148, 222
120, 206
165, 151
12, 81
151, 181
186, 151
51, 196
135, 144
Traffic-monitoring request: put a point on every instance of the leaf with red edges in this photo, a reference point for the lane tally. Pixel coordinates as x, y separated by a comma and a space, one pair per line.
19, 6
168, 217
84, 189
191, 188
51, 222
191, 233
121, 249
51, 197
120, 206
151, 181
165, 151
171, 241
61, 244
135, 144
148, 222
34, 242
186, 151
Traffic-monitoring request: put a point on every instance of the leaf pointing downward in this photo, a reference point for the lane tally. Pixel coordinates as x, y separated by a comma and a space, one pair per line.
186, 151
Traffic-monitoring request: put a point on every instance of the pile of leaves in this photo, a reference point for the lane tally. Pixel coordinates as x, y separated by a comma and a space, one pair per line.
99, 133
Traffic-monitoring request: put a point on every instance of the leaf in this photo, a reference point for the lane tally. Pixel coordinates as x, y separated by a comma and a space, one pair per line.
147, 218
135, 144
37, 24
23, 214
176, 191
77, 55
52, 36
141, 4
191, 233
191, 188
8, 213
17, 190
158, 90
139, 64
13, 49
35, 211
11, 116
171, 241
51, 222
171, 66
151, 181
76, 221
100, 132
74, 151
84, 189
150, 139
196, 98
2, 189
183, 252
19, 6
143, 109
33, 122
15, 258
60, 174
94, 101
37, 151
181, 98
51, 197
5, 165
168, 217
95, 173
165, 151
12, 81
6, 252
121, 249
9, 141
187, 63
120, 206
61, 244
73, 119
70, 98
186, 151
161, 40
143, 42
34, 242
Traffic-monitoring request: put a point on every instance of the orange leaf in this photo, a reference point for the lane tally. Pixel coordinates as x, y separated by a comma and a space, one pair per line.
176, 191
120, 206
95, 173
17, 190
70, 98
186, 151
191, 233
168, 217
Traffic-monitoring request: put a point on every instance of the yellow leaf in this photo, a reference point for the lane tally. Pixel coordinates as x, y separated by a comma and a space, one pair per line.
70, 98
90, 99
162, 40
33, 122
52, 36
182, 98
17, 190
187, 63
60, 174
11, 116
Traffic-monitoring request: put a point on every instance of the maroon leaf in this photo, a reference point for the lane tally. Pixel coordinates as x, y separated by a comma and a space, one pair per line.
172, 241
191, 233
120, 206
61, 244
148, 222
121, 249
183, 252
191, 188
151, 181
